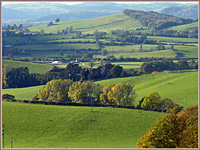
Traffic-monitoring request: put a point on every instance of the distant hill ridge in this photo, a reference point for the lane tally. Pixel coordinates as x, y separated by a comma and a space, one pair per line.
79, 15
190, 11
156, 20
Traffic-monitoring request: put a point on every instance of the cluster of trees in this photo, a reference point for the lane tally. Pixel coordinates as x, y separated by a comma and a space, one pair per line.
68, 30
154, 102
51, 22
175, 130
154, 20
76, 73
19, 77
14, 27
99, 35
151, 66
87, 92
126, 36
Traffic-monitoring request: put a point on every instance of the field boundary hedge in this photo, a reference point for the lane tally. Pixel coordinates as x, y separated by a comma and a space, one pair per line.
77, 104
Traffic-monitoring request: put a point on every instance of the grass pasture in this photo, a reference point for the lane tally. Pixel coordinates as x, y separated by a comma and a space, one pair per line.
128, 65
162, 53
40, 126
23, 93
186, 27
172, 39
33, 67
131, 48
187, 51
56, 46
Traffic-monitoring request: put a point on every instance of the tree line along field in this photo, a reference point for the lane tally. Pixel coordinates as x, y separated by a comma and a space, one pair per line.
182, 88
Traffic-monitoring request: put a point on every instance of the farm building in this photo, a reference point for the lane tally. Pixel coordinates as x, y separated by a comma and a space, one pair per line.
56, 62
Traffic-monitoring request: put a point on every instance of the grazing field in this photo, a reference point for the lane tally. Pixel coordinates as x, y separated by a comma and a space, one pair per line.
172, 39
162, 53
33, 67
128, 65
47, 126
105, 23
73, 40
182, 88
23, 93
56, 46
186, 27
187, 51
131, 48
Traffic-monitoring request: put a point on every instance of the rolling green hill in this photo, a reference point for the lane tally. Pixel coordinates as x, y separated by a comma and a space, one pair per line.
42, 126
105, 23
186, 27
33, 67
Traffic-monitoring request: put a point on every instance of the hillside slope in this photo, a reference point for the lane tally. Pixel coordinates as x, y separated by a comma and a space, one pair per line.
33, 67
187, 27
105, 23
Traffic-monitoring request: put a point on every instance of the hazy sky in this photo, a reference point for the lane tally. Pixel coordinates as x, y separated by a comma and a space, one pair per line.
73, 3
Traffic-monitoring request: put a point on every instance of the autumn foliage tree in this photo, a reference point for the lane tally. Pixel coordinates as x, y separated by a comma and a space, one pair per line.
175, 130
153, 101
84, 92
55, 91
118, 94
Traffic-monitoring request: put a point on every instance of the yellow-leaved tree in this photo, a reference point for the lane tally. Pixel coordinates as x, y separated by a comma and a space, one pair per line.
84, 92
175, 130
55, 91
118, 94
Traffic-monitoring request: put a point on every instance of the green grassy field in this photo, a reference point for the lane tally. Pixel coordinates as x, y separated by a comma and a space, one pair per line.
23, 93
172, 39
57, 46
105, 23
33, 67
131, 48
162, 53
187, 51
42, 126
188, 27
128, 65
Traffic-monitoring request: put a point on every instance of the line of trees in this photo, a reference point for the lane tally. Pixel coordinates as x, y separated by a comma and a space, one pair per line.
148, 67
87, 92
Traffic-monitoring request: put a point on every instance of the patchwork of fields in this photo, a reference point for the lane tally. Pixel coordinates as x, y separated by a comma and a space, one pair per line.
49, 126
